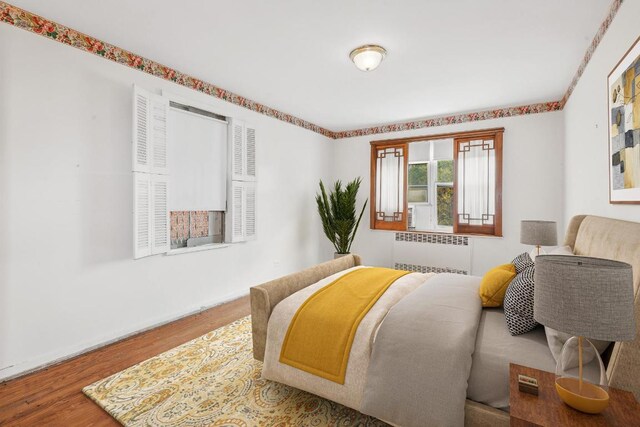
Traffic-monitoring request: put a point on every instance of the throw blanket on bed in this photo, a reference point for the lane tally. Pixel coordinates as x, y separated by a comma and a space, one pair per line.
321, 332
421, 357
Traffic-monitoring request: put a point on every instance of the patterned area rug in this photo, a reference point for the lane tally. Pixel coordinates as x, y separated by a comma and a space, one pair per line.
213, 381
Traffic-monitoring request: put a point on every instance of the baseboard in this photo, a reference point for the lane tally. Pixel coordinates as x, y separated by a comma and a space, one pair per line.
15, 371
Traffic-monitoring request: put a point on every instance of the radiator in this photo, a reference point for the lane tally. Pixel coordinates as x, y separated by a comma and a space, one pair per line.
432, 253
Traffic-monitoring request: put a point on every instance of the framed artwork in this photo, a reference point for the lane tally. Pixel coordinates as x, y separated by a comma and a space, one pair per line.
624, 128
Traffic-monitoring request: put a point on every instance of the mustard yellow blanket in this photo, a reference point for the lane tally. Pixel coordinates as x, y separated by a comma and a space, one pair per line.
321, 332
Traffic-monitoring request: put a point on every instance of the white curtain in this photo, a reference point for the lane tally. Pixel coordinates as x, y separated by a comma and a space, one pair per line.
476, 175
390, 183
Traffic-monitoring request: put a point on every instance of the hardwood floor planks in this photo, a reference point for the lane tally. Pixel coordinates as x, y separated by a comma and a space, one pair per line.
53, 396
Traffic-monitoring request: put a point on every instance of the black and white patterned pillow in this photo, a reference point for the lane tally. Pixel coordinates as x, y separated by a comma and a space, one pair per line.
518, 303
522, 262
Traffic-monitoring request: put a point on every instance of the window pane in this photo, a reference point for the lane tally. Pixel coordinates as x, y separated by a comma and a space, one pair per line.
195, 228
445, 171
418, 174
418, 194
390, 184
476, 178
445, 205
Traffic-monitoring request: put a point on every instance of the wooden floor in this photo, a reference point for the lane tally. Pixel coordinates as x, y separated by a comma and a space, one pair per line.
53, 396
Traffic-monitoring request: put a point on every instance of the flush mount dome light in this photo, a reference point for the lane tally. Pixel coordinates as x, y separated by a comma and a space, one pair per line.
368, 57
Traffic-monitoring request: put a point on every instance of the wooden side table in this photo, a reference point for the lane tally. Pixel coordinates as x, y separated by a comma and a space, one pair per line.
547, 409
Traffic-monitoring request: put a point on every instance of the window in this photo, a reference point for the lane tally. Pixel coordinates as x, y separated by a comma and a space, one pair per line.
198, 181
389, 186
418, 183
444, 195
453, 183
430, 184
194, 176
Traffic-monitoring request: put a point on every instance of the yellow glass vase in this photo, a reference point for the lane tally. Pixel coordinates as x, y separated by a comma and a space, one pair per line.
581, 380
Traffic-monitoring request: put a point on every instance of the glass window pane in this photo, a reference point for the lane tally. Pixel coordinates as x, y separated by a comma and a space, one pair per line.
442, 149
418, 174
390, 184
476, 177
445, 171
444, 196
417, 195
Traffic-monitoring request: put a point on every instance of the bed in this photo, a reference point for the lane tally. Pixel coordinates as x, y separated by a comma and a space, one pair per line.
486, 381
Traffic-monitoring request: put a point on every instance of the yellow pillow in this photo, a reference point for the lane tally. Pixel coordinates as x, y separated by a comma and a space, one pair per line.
494, 285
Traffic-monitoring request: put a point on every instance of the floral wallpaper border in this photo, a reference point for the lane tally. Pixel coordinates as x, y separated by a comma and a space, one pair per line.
21, 18
452, 119
36, 24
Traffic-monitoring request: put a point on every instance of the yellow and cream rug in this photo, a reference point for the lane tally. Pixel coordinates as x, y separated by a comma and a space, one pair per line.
213, 381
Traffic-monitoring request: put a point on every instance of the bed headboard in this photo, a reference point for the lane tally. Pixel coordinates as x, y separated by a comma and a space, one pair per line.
619, 240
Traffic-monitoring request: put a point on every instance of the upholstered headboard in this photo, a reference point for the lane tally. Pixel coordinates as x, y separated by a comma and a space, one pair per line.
619, 240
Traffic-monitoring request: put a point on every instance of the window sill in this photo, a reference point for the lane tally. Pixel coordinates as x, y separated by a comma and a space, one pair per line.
197, 248
487, 236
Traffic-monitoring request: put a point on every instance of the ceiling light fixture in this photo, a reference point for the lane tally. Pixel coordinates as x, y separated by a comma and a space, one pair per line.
368, 57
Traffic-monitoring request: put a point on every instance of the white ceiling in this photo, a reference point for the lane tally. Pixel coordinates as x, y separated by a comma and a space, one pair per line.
444, 56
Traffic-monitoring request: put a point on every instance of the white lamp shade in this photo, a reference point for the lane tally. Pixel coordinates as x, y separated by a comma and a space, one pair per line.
367, 58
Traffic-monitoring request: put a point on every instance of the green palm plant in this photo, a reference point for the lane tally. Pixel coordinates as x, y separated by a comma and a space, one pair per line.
338, 213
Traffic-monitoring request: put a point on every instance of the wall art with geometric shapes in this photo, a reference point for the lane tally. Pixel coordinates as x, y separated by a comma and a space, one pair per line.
624, 128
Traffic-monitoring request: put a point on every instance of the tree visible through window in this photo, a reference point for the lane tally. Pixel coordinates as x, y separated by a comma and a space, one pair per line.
418, 177
445, 205
444, 193
445, 171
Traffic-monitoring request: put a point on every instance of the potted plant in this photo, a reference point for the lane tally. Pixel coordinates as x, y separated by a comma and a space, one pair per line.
338, 214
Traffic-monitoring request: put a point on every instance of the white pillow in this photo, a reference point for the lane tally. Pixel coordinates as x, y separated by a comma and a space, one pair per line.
562, 250
556, 339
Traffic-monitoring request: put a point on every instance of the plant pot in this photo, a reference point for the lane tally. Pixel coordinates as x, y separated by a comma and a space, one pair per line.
337, 255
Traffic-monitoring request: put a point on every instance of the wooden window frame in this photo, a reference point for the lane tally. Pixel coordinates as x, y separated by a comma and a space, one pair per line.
496, 134
494, 229
374, 221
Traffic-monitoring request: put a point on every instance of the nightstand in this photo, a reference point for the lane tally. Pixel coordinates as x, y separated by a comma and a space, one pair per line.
547, 409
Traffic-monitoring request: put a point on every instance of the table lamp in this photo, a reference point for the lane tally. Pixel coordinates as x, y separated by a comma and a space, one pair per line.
538, 233
585, 297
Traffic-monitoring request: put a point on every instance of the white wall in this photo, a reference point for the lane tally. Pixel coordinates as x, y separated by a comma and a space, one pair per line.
586, 146
68, 280
532, 185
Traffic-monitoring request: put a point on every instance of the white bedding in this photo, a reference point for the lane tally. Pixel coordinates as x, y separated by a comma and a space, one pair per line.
495, 349
350, 393
488, 380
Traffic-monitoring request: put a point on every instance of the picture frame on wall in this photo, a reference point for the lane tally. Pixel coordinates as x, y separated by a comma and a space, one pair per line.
624, 128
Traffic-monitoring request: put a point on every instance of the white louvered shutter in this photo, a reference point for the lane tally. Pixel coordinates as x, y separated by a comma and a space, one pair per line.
234, 217
249, 210
236, 150
150, 171
158, 117
160, 242
241, 217
141, 215
242, 150
150, 112
250, 153
141, 131
241, 205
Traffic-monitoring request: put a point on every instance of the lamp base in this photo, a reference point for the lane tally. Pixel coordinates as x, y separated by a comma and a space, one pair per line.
537, 251
587, 398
